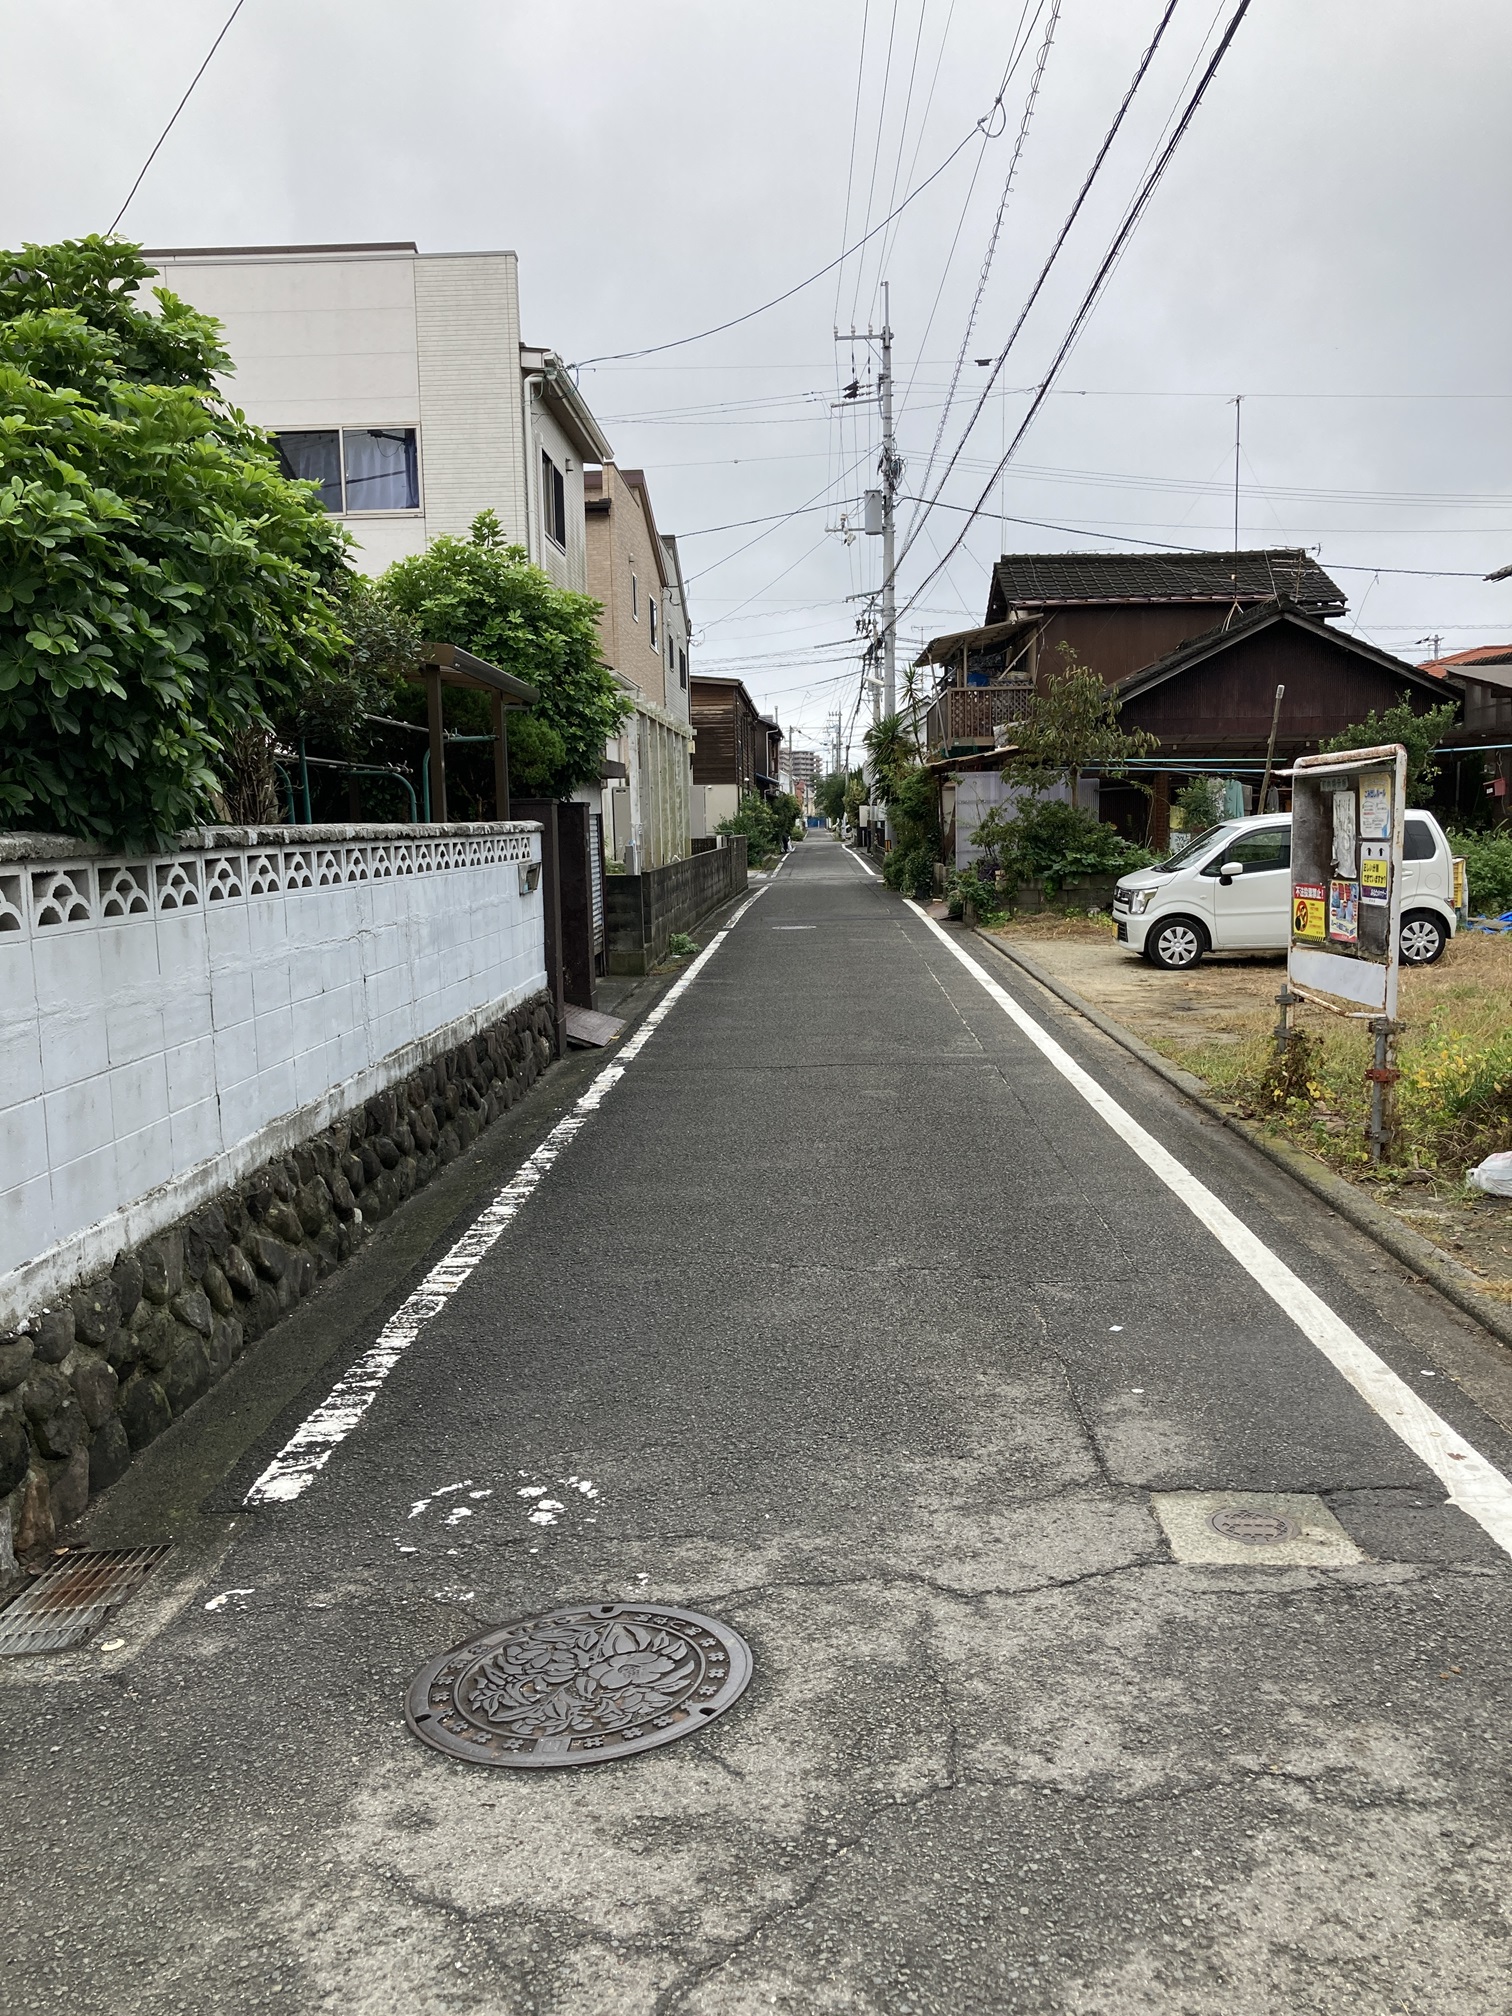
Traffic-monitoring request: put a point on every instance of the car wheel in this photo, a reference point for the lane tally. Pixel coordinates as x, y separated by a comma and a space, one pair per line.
1176, 944
1423, 938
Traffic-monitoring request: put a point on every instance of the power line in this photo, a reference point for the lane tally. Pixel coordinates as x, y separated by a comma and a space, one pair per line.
770, 518
871, 187
850, 172
1055, 251
680, 342
176, 111
889, 243
1030, 101
1170, 546
798, 509
1121, 238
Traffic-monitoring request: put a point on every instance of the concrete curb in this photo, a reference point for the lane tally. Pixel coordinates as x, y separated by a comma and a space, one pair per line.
1419, 1255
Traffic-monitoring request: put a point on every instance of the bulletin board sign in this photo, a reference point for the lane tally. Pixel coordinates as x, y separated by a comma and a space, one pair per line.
1347, 838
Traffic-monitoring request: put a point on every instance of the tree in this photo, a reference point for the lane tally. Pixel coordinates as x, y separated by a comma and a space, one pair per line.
1419, 735
829, 795
913, 813
485, 596
892, 754
162, 584
1072, 726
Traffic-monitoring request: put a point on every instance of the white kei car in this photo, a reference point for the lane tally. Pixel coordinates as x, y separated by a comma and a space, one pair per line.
1229, 890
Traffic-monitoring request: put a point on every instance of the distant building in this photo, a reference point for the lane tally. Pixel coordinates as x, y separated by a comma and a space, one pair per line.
643, 630
398, 381
1483, 676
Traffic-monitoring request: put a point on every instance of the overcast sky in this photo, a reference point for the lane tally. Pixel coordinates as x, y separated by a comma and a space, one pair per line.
1331, 241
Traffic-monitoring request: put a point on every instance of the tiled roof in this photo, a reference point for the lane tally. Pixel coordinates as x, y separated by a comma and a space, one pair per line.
1027, 580
1460, 661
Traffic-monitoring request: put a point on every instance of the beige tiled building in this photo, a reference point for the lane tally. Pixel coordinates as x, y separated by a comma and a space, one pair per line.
634, 572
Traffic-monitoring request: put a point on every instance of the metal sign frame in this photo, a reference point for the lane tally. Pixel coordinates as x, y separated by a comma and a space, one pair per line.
1348, 833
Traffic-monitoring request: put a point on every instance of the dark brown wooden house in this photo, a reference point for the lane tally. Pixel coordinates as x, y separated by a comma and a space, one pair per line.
1210, 702
730, 745
1195, 644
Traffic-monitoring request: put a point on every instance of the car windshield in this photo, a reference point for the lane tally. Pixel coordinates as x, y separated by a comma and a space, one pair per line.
1184, 854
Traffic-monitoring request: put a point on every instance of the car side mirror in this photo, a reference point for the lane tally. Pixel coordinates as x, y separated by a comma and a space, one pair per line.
1229, 870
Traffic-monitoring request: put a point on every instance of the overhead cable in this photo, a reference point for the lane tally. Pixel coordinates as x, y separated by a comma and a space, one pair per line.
983, 126
871, 187
1030, 101
1034, 293
1121, 238
141, 175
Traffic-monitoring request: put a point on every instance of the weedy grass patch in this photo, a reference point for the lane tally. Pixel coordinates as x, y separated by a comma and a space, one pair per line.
1454, 1052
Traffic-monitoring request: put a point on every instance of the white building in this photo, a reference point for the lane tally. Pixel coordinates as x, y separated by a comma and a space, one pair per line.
398, 381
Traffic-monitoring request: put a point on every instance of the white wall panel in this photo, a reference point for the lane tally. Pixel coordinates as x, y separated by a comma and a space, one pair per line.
155, 1049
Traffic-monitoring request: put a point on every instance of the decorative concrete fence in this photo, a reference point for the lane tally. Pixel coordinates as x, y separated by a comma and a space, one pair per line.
170, 1023
641, 912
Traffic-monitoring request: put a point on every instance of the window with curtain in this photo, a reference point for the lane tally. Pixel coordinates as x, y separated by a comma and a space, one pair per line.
382, 469
313, 458
357, 468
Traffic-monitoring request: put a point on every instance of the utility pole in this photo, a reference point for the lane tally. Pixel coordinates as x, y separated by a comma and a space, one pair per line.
881, 506
889, 512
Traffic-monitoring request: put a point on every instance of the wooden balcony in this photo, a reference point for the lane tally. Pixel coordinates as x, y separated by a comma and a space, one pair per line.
970, 717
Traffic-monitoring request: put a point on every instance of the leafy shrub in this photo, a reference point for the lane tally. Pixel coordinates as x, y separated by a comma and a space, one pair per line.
1054, 843
910, 870
162, 585
1200, 804
764, 822
1488, 869
968, 885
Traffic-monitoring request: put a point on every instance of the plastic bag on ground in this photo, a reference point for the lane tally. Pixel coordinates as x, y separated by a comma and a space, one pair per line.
1494, 1175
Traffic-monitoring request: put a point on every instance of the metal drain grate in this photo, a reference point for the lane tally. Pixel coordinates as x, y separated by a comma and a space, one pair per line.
68, 1600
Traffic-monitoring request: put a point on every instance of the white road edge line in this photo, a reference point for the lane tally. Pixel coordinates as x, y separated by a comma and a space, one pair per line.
860, 863
308, 1450
1475, 1485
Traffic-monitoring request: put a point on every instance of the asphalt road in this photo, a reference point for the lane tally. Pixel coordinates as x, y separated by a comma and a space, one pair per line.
872, 1338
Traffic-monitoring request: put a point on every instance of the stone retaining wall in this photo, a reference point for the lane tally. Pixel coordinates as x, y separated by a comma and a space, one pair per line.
87, 1382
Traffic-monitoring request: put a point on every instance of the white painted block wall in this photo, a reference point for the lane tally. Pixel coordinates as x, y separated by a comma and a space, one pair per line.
167, 1023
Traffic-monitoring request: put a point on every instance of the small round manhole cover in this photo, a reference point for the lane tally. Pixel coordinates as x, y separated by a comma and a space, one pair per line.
1253, 1527
578, 1685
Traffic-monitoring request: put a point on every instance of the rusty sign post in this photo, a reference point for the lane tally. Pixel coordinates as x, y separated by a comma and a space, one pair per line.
1347, 841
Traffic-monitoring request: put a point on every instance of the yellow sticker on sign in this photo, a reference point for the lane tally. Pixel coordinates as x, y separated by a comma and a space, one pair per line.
1309, 910
1375, 871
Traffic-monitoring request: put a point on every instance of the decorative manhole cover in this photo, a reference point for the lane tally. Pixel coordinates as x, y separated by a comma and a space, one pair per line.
578, 1685
1253, 1527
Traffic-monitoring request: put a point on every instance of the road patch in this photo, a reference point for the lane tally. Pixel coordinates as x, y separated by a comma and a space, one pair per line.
1253, 1529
